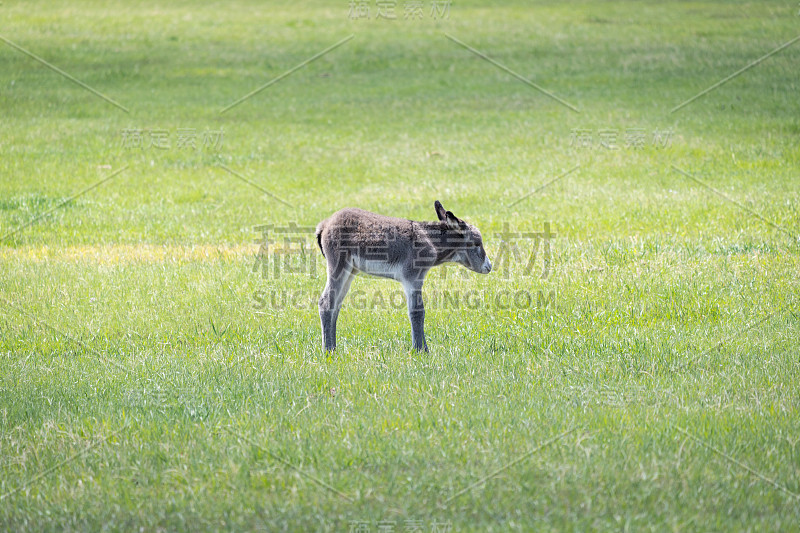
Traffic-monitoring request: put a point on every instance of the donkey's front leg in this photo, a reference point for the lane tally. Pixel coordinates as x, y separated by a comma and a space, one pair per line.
416, 314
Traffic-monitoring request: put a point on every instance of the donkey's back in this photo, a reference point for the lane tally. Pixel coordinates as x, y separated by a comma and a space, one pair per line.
362, 239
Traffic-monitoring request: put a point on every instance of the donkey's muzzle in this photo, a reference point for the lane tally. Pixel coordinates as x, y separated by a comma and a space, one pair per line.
487, 266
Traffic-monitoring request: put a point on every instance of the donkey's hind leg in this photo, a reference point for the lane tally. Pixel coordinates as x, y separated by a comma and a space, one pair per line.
340, 294
339, 278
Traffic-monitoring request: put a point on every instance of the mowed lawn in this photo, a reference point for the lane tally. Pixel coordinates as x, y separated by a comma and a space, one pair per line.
636, 368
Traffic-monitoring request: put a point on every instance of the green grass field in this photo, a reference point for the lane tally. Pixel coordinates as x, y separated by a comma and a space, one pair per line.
643, 375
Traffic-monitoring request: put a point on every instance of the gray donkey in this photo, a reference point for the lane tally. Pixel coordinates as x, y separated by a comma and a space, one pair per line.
353, 240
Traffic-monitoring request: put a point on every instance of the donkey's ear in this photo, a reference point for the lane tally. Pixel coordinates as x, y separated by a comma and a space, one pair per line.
440, 212
452, 220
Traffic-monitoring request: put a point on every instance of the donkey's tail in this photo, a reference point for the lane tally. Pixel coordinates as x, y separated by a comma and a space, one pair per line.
319, 239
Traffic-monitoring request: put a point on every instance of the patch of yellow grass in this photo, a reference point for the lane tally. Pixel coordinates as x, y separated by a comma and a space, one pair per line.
112, 254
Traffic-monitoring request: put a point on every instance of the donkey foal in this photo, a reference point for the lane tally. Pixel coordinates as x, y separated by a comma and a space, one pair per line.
353, 240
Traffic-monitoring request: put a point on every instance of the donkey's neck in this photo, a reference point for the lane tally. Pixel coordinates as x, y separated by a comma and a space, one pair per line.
442, 239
